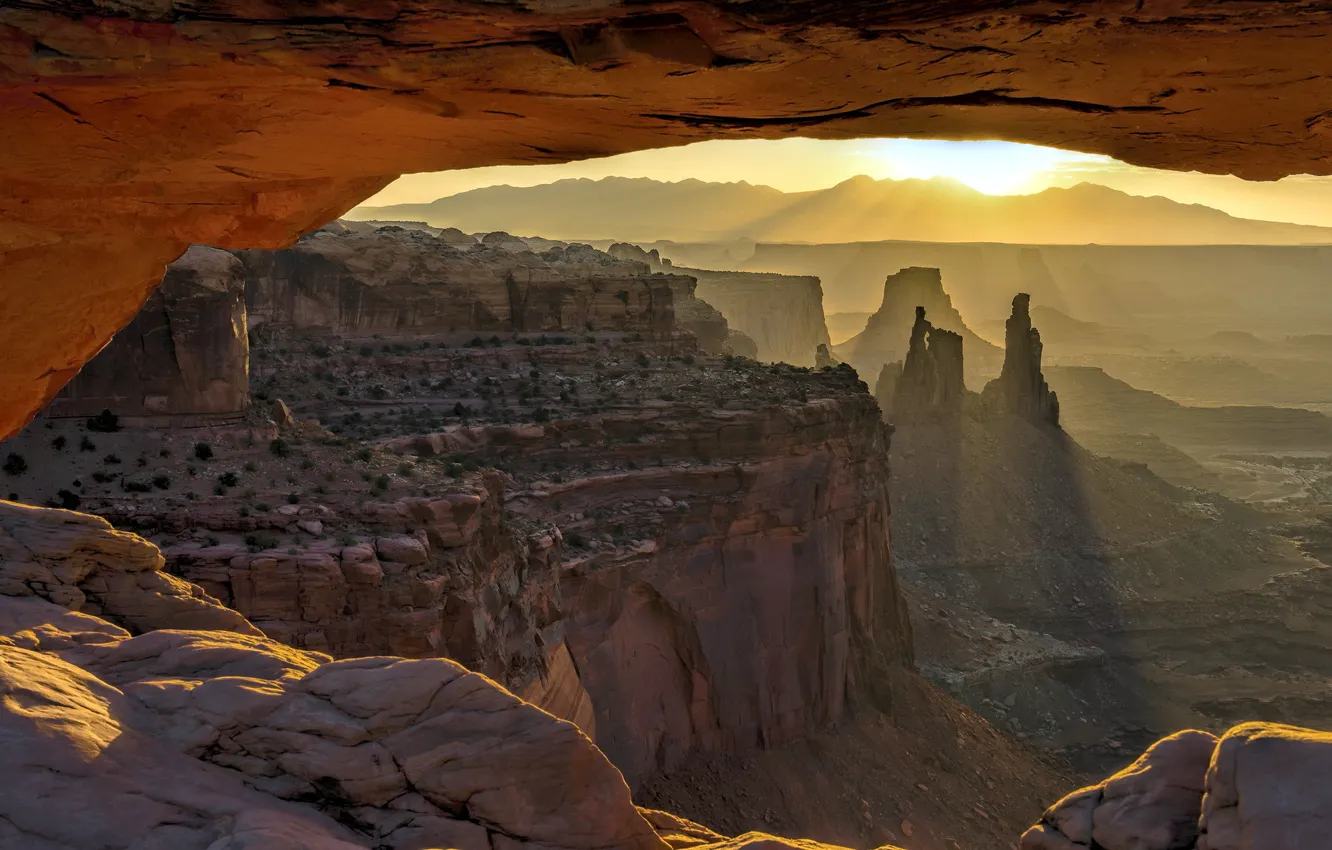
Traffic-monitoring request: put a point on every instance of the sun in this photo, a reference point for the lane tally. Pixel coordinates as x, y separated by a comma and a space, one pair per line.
992, 167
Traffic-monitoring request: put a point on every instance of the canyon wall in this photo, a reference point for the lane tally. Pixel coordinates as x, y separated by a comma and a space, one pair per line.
756, 592
405, 281
716, 535
703, 320
783, 314
199, 732
185, 356
353, 279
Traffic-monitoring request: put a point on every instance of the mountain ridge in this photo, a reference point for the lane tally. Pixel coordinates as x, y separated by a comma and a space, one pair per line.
858, 209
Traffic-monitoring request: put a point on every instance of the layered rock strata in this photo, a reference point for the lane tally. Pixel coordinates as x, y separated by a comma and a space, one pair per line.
1020, 389
190, 738
403, 281
445, 575
747, 535
352, 280
704, 321
184, 358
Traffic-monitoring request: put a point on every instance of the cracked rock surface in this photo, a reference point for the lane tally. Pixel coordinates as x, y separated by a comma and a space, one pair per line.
223, 740
181, 739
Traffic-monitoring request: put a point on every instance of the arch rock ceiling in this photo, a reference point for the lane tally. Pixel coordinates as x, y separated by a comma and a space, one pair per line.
132, 128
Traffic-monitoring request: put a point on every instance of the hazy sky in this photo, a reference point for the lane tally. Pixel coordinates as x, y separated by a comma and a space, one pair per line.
795, 165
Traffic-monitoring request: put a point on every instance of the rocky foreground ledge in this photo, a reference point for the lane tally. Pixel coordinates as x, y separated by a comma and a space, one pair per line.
1261, 786
217, 738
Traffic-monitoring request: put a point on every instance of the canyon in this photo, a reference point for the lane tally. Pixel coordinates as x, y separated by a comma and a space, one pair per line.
683, 554
155, 715
778, 317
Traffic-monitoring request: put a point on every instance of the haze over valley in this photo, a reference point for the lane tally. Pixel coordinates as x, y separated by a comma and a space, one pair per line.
858, 209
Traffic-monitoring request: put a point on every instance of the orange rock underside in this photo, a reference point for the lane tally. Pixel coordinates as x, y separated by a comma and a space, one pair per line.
238, 123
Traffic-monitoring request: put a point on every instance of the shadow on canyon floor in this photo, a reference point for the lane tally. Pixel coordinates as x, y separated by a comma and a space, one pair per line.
933, 775
1078, 601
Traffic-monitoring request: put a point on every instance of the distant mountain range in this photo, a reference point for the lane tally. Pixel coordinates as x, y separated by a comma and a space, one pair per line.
859, 209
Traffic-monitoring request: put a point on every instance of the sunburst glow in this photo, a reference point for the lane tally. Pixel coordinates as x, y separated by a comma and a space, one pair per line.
995, 168
801, 165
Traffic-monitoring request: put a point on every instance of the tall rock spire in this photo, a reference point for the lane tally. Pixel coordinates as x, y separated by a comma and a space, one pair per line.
1021, 389
930, 382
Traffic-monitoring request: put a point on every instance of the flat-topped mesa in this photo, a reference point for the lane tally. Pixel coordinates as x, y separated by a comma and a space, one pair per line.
782, 313
1020, 389
405, 281
184, 359
630, 251
890, 327
929, 383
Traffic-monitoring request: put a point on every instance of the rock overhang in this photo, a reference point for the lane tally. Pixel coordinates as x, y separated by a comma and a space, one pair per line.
131, 131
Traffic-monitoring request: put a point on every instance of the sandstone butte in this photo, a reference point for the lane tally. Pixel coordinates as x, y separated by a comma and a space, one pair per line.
132, 130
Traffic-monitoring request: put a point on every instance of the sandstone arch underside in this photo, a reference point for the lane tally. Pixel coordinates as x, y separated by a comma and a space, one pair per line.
132, 129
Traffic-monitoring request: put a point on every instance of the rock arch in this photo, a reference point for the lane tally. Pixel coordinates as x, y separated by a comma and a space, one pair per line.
134, 129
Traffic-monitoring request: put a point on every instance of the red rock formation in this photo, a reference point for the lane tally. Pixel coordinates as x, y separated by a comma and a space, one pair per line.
701, 319
930, 384
888, 332
754, 586
1021, 390
409, 281
1262, 786
187, 738
132, 132
447, 576
184, 358
79, 562
629, 251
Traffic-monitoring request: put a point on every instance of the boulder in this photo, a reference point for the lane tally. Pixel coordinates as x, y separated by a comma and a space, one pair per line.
1152, 804
183, 739
80, 562
1269, 788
